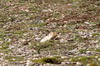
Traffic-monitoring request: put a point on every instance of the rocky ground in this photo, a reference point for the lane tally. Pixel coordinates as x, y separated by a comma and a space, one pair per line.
24, 23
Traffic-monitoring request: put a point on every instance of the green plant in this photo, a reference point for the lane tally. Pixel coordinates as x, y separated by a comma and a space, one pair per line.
12, 58
82, 50
52, 60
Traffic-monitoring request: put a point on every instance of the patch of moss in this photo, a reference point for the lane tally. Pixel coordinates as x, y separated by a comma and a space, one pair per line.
2, 33
12, 58
85, 59
34, 8
4, 45
57, 15
51, 60
82, 50
39, 25
5, 50
19, 32
43, 46
96, 34
93, 64
98, 50
80, 39
73, 59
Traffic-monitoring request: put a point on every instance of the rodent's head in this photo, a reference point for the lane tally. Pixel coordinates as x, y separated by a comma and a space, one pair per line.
53, 33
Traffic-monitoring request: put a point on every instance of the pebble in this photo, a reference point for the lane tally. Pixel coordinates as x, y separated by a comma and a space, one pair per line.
28, 63
88, 65
1, 42
98, 59
7, 39
88, 52
64, 63
11, 47
86, 22
78, 63
63, 57
1, 54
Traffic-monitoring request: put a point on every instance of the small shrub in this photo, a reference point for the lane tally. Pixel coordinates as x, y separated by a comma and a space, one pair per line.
52, 60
